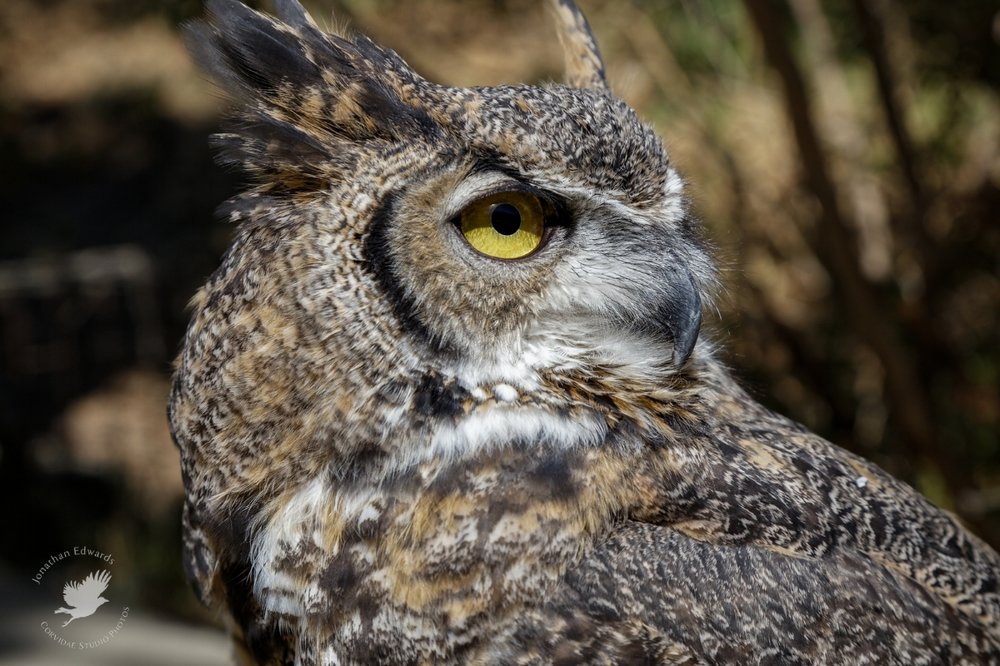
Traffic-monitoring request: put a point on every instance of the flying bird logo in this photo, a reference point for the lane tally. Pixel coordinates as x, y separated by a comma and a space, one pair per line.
84, 597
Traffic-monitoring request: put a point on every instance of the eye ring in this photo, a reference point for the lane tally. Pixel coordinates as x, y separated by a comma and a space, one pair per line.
506, 225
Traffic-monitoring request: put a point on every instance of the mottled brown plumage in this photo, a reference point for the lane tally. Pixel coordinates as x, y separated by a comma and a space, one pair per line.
398, 450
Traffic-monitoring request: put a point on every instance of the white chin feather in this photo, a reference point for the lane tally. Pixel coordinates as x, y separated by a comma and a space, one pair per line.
496, 425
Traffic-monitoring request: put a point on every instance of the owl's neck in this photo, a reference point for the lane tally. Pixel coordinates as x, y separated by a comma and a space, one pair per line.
552, 398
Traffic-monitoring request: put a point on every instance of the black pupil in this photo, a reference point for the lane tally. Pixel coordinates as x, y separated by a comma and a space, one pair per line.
506, 219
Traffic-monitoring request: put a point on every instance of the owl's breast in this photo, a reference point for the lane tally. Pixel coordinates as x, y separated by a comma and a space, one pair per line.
427, 564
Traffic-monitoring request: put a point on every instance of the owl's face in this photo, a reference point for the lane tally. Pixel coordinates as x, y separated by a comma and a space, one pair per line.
539, 228
401, 230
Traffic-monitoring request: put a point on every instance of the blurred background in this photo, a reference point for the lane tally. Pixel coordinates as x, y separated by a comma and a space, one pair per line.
844, 156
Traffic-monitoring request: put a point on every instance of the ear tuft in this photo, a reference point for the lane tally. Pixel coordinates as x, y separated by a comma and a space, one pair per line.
304, 100
262, 56
294, 14
584, 64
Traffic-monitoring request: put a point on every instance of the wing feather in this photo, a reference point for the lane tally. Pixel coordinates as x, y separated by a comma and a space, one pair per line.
79, 594
71, 594
96, 583
747, 604
744, 476
750, 540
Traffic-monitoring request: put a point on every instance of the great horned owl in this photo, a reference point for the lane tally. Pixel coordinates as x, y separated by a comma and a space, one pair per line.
445, 399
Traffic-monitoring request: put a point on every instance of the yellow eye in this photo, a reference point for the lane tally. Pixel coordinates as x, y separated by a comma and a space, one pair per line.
506, 225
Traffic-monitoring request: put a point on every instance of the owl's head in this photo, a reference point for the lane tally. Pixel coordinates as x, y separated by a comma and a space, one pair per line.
398, 228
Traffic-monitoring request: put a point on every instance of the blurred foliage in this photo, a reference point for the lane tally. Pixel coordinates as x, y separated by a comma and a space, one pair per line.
844, 156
